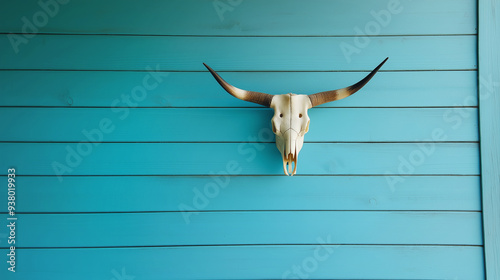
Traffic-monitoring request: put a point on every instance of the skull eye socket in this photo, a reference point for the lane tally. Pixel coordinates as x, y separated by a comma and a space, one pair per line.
281, 115
300, 115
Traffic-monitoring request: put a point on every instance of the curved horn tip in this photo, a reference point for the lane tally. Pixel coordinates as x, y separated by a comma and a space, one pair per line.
208, 67
384, 60
245, 95
332, 95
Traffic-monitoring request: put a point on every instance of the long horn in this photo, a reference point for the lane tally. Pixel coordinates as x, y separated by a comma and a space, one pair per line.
332, 95
250, 96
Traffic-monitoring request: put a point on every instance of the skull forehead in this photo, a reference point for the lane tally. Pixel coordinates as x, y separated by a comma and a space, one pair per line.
291, 102
290, 112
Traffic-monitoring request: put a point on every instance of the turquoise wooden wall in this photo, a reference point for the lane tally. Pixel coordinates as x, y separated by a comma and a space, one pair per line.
132, 162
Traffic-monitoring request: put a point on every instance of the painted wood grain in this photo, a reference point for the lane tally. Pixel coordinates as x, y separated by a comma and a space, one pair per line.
234, 125
272, 46
244, 18
238, 159
238, 193
489, 101
97, 88
253, 262
247, 228
92, 52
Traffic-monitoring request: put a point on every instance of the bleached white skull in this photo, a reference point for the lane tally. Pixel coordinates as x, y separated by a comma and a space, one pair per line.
290, 121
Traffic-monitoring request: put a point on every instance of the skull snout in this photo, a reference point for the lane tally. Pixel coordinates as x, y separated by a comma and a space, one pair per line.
292, 143
290, 136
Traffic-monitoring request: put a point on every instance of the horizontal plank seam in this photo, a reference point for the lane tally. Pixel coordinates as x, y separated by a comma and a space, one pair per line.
236, 142
243, 211
229, 108
247, 175
238, 71
240, 36
248, 245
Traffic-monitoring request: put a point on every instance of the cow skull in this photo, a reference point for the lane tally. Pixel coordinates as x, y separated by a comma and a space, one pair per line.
290, 121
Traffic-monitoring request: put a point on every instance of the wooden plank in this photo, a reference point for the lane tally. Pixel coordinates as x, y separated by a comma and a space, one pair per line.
247, 228
215, 125
238, 159
489, 101
94, 88
168, 193
252, 262
243, 18
92, 52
